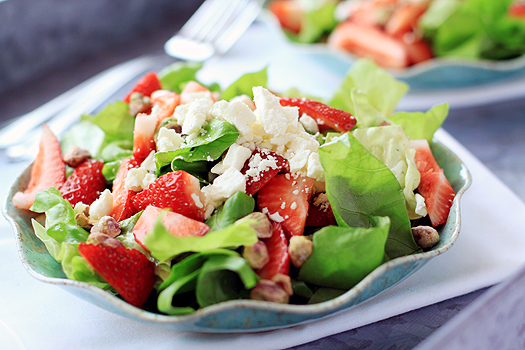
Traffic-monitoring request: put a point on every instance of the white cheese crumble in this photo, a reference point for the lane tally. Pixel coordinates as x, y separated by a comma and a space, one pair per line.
235, 157
309, 124
101, 206
168, 140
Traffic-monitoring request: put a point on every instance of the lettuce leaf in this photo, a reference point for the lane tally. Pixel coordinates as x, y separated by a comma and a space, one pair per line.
421, 125
219, 135
390, 145
343, 256
176, 75
245, 84
163, 246
359, 186
237, 206
379, 89
316, 22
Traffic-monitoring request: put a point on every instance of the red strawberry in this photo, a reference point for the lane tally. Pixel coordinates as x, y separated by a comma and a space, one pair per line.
326, 116
85, 183
127, 270
289, 14
320, 213
372, 12
190, 88
517, 9
434, 186
146, 85
122, 204
285, 200
255, 182
48, 170
178, 191
143, 133
404, 19
371, 42
178, 225
278, 251
167, 101
418, 51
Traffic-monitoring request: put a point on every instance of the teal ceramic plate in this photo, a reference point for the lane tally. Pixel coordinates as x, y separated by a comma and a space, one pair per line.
240, 315
435, 74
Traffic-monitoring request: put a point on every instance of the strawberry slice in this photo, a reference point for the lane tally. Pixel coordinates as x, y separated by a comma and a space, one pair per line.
289, 14
178, 225
127, 270
372, 12
143, 136
122, 204
517, 9
285, 199
433, 186
146, 85
258, 177
320, 213
418, 51
178, 191
326, 116
277, 246
85, 183
48, 170
167, 101
371, 42
405, 17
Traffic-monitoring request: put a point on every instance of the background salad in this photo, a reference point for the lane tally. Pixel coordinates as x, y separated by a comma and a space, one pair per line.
398, 34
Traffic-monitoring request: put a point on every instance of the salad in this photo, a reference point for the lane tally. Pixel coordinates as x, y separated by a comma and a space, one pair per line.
398, 33
184, 195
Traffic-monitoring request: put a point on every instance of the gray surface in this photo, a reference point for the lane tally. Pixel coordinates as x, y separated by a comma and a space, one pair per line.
50, 46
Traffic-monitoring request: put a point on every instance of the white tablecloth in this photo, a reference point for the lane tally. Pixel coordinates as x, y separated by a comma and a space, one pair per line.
34, 315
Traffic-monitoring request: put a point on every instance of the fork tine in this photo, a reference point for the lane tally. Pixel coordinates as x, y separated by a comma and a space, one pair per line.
220, 18
198, 20
240, 24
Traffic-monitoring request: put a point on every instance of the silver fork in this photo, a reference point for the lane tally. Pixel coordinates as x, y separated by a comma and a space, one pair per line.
210, 32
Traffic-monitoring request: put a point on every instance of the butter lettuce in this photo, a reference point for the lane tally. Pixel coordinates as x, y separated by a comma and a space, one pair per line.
390, 145
343, 255
360, 186
164, 246
244, 85
421, 125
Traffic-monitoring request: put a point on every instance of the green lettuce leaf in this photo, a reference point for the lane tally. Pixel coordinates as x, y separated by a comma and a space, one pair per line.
219, 135
176, 75
316, 22
382, 91
164, 246
223, 278
421, 125
244, 85
359, 186
390, 145
86, 135
343, 256
237, 206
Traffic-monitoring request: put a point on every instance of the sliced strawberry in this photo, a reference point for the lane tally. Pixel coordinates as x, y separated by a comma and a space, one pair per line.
127, 270
178, 225
277, 246
517, 9
289, 14
405, 17
285, 199
433, 186
122, 204
178, 191
143, 133
146, 85
257, 178
85, 183
424, 158
320, 213
418, 51
191, 88
326, 116
167, 101
368, 41
372, 12
48, 170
